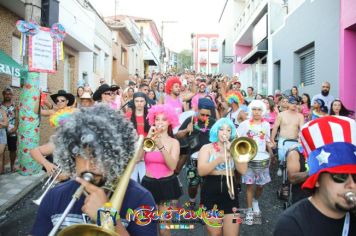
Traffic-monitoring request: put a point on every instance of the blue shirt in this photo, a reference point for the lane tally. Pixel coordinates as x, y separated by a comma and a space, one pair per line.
57, 199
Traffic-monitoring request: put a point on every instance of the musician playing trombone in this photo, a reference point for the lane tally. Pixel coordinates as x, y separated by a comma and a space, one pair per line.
217, 167
100, 141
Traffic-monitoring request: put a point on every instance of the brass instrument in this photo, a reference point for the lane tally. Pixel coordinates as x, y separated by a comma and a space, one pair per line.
242, 150
116, 200
350, 198
149, 144
50, 183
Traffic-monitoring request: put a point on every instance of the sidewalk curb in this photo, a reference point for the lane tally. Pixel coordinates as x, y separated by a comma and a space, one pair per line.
20, 195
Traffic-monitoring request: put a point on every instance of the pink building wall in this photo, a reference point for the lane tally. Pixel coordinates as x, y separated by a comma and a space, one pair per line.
241, 51
347, 70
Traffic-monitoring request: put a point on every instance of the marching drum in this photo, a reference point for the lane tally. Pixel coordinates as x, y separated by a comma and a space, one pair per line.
260, 162
192, 171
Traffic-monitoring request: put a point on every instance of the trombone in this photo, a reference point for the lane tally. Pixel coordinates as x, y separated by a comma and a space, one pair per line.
116, 200
242, 150
50, 183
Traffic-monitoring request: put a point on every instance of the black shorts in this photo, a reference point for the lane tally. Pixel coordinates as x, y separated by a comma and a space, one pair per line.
214, 191
163, 189
11, 143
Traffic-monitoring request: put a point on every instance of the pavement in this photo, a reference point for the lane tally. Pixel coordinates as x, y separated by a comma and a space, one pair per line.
21, 211
13, 187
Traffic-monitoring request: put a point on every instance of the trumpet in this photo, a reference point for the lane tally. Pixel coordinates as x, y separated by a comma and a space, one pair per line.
350, 198
50, 183
242, 150
148, 143
116, 200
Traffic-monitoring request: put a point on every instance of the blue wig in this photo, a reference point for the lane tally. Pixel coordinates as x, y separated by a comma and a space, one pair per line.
216, 127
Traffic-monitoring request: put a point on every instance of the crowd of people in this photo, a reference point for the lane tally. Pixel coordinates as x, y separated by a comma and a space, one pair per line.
192, 120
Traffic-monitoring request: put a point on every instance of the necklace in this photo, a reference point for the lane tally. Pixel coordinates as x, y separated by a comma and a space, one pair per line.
216, 147
206, 124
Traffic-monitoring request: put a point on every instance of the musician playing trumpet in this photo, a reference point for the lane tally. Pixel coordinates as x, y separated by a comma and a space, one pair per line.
100, 141
162, 159
216, 165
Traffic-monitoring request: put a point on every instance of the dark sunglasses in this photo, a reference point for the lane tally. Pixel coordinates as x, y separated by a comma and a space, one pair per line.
341, 178
108, 93
60, 100
206, 115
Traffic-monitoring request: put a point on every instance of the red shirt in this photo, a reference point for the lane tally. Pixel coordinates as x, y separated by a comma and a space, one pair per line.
140, 121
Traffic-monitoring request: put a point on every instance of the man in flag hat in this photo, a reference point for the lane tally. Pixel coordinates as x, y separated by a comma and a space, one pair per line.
329, 144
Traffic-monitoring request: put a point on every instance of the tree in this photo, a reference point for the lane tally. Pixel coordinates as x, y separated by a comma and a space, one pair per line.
184, 60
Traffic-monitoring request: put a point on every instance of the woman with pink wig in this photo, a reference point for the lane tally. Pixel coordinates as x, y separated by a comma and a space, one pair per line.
161, 162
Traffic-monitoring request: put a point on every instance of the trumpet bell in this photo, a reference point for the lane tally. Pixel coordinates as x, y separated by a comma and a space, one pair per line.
148, 145
243, 149
86, 230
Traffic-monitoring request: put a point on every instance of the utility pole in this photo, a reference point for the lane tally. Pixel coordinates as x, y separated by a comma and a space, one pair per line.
28, 130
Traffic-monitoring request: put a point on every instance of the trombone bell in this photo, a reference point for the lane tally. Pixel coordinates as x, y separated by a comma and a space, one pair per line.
243, 149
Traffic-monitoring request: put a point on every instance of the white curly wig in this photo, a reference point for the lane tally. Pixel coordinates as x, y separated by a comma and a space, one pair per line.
109, 135
257, 104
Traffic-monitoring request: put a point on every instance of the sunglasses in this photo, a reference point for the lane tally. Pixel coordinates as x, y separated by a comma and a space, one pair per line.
60, 100
341, 178
204, 115
108, 93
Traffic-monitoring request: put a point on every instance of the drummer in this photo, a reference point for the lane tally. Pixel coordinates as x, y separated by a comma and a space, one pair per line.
195, 131
258, 170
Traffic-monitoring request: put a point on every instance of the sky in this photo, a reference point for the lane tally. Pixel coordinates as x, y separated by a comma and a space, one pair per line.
186, 16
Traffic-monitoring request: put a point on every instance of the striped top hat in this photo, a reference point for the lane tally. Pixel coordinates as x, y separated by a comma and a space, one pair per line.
329, 145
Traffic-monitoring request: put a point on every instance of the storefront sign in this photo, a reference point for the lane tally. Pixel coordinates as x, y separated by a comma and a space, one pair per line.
42, 56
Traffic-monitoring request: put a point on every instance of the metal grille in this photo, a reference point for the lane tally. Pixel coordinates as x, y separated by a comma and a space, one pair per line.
307, 68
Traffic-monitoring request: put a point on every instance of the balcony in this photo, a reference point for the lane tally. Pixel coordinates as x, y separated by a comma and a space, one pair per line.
243, 27
126, 28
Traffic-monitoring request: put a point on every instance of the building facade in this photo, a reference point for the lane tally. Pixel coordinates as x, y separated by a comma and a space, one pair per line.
278, 44
205, 53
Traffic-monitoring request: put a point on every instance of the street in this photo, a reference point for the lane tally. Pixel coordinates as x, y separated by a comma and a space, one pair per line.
19, 219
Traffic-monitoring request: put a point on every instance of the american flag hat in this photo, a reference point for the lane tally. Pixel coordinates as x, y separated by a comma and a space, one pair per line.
329, 145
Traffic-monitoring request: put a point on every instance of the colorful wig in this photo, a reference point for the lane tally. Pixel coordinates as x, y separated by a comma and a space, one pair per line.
167, 111
61, 116
234, 96
214, 131
170, 82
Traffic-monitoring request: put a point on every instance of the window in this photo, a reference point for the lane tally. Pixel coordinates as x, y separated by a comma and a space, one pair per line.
123, 56
277, 75
223, 48
307, 67
95, 62
203, 44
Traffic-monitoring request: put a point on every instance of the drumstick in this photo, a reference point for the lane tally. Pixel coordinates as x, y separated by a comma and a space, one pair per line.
190, 132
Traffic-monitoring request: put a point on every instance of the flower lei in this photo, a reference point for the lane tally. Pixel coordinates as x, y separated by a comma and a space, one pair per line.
216, 147
206, 124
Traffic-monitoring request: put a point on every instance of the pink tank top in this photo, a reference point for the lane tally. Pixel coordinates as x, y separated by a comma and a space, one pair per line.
176, 104
156, 165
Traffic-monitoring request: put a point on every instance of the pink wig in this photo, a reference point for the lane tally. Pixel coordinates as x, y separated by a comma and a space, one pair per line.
169, 84
167, 111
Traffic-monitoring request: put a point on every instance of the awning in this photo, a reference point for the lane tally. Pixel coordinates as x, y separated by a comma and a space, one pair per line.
151, 62
9, 66
258, 52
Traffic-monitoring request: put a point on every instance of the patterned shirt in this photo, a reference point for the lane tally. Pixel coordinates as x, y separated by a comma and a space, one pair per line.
11, 115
